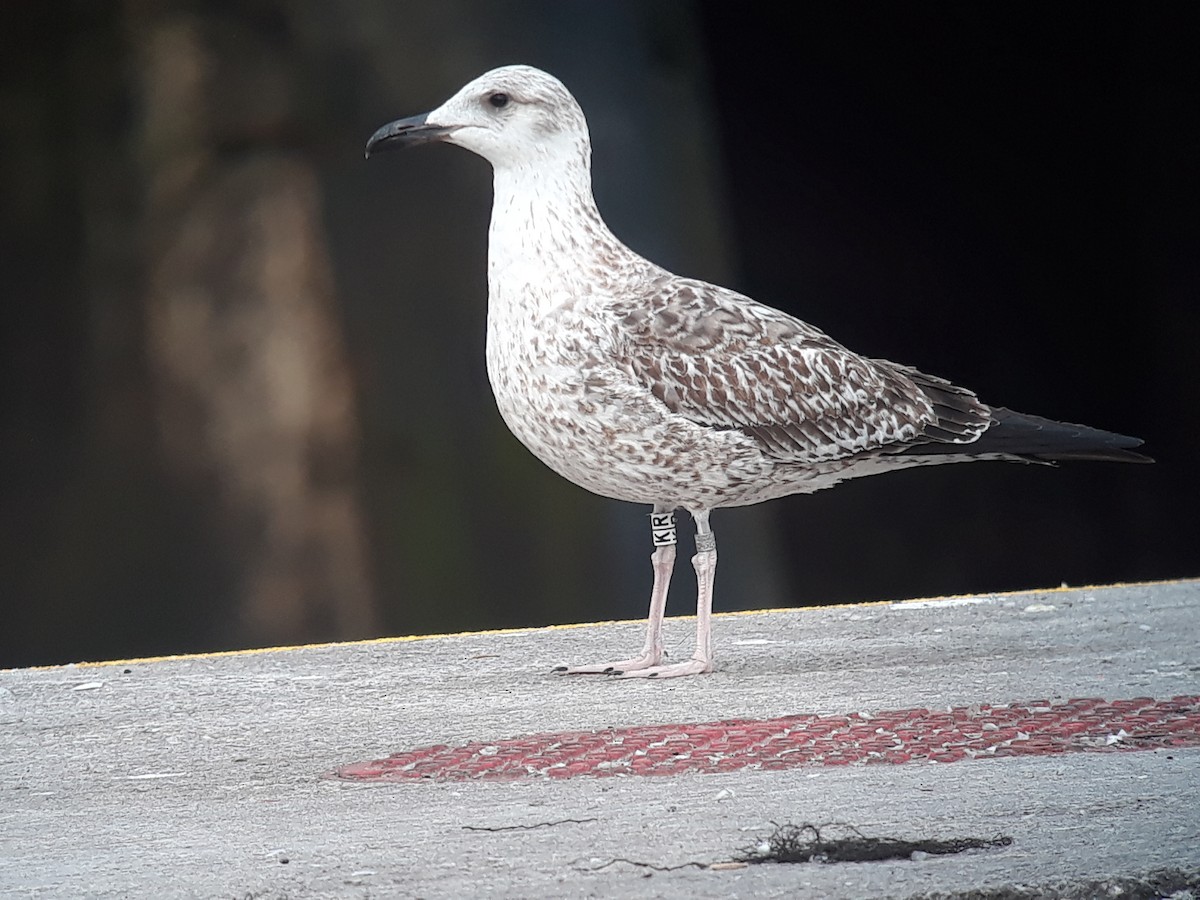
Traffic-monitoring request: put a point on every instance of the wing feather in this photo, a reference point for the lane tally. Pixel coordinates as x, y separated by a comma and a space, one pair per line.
723, 360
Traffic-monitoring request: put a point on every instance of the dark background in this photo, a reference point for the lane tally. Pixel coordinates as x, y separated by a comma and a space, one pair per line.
243, 388
1006, 197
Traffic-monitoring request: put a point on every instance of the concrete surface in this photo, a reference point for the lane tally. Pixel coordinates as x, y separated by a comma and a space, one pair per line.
203, 776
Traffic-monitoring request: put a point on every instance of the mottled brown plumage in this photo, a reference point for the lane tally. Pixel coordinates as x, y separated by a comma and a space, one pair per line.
644, 386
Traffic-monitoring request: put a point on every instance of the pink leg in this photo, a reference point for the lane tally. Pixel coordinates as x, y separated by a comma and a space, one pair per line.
705, 564
663, 561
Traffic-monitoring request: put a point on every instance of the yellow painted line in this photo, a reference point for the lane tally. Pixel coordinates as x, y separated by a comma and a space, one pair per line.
404, 639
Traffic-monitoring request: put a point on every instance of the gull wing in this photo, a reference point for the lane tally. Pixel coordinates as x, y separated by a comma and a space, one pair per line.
723, 360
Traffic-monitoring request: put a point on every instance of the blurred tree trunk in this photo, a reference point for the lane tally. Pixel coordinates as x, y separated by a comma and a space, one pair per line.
252, 392
197, 460
473, 531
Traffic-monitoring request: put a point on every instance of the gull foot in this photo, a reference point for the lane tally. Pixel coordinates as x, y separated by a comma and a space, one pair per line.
622, 667
692, 666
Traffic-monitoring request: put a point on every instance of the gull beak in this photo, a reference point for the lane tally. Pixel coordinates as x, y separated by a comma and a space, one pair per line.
406, 133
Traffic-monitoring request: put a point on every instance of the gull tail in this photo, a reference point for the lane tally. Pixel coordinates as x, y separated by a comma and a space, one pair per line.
1044, 440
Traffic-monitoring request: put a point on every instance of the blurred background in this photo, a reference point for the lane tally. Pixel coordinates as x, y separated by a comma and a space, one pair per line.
244, 398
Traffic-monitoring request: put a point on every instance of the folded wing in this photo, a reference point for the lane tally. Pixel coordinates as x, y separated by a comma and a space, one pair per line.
725, 361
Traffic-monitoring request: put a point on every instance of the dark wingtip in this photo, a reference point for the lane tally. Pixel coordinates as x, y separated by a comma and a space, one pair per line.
1103, 454
1049, 440
1036, 439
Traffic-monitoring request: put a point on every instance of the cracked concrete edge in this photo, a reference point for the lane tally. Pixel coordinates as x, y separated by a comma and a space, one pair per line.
913, 602
1158, 884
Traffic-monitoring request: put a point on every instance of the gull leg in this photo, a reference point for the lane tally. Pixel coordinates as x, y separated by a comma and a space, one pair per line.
663, 561
705, 564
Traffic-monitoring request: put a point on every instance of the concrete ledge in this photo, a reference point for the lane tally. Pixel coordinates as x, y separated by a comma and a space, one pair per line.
205, 776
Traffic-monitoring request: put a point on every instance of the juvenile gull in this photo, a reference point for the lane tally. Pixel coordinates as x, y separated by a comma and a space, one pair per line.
640, 385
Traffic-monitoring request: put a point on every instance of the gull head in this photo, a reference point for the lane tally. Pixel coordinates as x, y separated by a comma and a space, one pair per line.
513, 117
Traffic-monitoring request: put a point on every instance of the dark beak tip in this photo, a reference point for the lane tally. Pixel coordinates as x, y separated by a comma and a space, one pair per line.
404, 133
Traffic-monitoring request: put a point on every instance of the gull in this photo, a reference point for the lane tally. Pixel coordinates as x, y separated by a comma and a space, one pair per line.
644, 386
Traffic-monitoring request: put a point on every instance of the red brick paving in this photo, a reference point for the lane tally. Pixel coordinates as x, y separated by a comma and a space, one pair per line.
1033, 728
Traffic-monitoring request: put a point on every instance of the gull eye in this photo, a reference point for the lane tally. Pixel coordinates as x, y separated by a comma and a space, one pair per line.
499, 99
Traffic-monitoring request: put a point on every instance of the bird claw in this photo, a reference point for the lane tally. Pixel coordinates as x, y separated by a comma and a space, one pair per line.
618, 669
643, 667
675, 670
